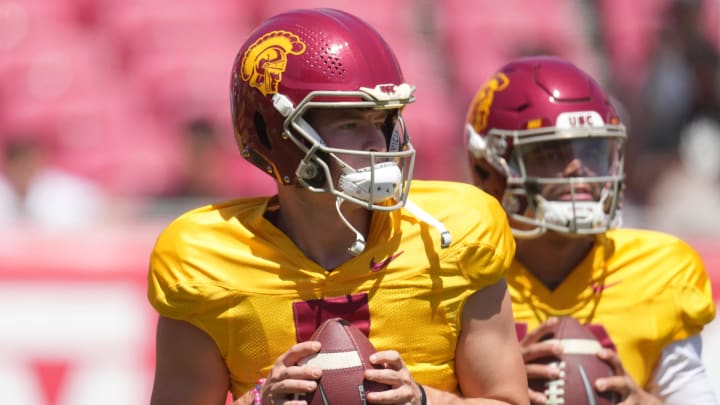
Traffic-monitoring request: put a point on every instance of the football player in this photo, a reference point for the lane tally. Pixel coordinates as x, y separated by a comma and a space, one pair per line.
317, 98
545, 140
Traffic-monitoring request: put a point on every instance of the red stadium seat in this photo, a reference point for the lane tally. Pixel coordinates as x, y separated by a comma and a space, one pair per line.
150, 29
479, 36
629, 30
64, 88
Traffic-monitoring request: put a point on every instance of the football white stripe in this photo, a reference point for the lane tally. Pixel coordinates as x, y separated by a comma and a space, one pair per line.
335, 361
578, 346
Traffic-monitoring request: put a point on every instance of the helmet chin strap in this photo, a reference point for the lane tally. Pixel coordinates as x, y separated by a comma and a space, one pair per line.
385, 182
445, 237
359, 245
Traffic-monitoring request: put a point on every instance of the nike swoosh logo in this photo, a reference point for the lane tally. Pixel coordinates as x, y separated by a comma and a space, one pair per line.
381, 265
589, 393
598, 288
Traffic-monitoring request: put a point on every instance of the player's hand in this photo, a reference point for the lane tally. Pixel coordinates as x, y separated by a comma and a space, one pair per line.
533, 350
395, 374
623, 383
286, 378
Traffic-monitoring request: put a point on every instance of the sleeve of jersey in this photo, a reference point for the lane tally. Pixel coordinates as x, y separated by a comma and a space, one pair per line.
176, 288
693, 295
488, 247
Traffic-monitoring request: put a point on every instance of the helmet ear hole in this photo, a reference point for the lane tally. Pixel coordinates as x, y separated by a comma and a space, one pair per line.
261, 129
312, 174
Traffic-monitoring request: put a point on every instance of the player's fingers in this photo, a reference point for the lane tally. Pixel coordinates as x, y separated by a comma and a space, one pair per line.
292, 380
387, 359
286, 378
540, 331
291, 386
537, 398
282, 390
537, 371
298, 352
621, 384
535, 351
298, 400
393, 378
300, 373
393, 371
610, 357
403, 394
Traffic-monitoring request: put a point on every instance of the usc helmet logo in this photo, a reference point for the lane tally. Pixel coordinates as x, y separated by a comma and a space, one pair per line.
483, 100
266, 59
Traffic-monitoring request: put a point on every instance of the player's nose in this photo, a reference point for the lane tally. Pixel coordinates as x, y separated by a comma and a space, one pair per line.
575, 168
374, 139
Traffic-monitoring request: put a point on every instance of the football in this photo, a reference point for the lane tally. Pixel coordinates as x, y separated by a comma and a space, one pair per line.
344, 357
579, 366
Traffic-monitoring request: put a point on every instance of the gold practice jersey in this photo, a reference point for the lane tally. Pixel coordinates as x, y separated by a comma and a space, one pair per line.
230, 272
637, 290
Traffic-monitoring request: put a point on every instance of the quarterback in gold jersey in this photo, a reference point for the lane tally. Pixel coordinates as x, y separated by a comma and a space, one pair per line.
240, 286
544, 139
256, 306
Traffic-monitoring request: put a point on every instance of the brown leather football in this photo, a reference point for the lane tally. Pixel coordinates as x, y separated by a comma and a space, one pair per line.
344, 357
579, 366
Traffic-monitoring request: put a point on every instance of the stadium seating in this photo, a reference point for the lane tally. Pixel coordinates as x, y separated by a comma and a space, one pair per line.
110, 84
479, 36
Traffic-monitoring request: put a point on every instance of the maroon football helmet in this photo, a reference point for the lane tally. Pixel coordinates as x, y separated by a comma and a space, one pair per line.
544, 138
320, 59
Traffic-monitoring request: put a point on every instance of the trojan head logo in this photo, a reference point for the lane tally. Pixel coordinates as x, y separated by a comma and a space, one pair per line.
266, 59
484, 99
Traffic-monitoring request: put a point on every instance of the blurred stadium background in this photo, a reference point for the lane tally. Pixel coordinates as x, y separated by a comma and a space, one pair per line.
124, 103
